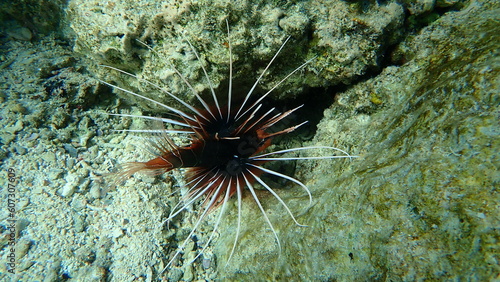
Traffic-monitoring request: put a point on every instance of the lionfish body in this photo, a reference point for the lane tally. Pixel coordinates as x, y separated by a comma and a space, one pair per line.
225, 154
221, 151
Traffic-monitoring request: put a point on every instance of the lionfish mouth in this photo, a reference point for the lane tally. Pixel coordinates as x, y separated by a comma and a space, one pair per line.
225, 154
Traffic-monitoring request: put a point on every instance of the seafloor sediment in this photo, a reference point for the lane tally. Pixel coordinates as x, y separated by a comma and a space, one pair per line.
409, 87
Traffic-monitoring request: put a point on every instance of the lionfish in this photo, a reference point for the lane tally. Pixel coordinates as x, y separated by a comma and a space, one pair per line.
226, 150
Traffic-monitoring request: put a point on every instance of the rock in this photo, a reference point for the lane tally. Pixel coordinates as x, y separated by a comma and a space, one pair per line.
21, 33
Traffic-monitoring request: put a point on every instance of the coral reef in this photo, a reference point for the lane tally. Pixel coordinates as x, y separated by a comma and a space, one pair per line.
31, 19
409, 86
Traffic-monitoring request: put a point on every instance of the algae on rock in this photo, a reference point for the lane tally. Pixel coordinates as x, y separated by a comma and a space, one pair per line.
347, 40
420, 202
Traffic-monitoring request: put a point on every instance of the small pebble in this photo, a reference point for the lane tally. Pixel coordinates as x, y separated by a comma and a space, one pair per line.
72, 151
72, 182
18, 108
19, 149
20, 33
32, 137
95, 191
79, 223
117, 233
22, 248
68, 190
70, 163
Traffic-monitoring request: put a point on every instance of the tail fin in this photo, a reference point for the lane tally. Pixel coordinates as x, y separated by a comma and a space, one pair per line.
128, 169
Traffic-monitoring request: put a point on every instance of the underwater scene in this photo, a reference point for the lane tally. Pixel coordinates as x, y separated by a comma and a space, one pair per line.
314, 140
